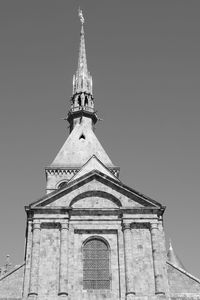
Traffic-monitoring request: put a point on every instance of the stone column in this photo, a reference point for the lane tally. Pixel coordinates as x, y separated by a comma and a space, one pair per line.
157, 259
130, 291
63, 280
33, 285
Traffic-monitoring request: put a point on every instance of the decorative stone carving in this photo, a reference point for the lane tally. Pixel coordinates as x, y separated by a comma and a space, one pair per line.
60, 171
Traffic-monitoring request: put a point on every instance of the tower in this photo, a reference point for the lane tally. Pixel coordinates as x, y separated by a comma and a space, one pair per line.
91, 236
82, 143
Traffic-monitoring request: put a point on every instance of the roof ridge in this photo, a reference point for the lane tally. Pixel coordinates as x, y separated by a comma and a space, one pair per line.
183, 271
17, 267
103, 176
87, 162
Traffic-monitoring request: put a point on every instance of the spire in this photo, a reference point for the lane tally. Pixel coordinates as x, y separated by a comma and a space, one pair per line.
82, 101
173, 258
82, 80
82, 145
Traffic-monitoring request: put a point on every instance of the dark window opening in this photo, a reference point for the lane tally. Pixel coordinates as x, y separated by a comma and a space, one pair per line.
96, 274
62, 184
86, 100
82, 137
79, 100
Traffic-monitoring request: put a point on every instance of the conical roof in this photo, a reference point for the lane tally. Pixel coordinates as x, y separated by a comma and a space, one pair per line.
173, 258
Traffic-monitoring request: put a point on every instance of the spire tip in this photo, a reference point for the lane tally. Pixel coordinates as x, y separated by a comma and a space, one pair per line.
80, 13
170, 244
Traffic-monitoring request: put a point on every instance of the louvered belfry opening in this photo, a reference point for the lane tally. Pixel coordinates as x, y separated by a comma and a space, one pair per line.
96, 273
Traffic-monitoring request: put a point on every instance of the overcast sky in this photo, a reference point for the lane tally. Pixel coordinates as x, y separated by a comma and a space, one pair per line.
144, 57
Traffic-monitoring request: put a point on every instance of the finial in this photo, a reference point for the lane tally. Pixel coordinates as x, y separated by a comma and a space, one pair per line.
80, 13
173, 258
170, 244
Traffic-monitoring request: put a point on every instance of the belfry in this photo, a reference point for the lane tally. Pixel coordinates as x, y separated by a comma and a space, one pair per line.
92, 237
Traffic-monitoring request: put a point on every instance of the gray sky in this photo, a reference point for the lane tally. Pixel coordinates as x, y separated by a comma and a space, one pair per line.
144, 57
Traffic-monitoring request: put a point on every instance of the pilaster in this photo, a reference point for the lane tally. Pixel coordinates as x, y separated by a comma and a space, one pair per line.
63, 280
130, 290
157, 259
33, 286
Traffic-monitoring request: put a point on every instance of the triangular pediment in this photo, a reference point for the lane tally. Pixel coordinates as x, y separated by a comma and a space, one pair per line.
93, 164
96, 188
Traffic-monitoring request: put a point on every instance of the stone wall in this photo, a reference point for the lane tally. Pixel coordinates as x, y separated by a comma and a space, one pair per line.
143, 274
49, 261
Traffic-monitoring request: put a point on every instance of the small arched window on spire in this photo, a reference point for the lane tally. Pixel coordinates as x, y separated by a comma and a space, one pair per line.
96, 271
62, 184
79, 100
86, 100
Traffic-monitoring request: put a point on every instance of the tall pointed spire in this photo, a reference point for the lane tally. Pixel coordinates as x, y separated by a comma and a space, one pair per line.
82, 99
82, 80
82, 145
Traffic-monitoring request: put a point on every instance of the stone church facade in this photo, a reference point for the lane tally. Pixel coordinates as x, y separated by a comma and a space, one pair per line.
90, 236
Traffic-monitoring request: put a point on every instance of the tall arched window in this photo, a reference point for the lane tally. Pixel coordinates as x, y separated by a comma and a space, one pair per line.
96, 274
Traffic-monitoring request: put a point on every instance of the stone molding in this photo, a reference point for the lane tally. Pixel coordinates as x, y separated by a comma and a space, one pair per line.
95, 231
126, 226
61, 171
57, 171
153, 226
36, 224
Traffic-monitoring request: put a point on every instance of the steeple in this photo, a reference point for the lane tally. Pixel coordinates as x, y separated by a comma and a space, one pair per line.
82, 80
82, 148
82, 101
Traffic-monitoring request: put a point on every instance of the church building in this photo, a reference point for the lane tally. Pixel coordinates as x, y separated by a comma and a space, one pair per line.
91, 237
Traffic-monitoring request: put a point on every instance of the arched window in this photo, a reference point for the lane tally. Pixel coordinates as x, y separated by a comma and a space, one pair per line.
86, 100
96, 274
62, 184
79, 100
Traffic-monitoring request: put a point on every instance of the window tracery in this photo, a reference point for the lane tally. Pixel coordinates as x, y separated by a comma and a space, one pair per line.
96, 273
